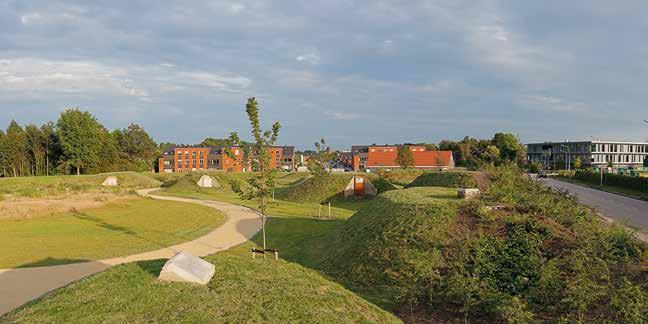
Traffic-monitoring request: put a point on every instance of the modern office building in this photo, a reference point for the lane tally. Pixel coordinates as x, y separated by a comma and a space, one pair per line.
375, 157
591, 153
187, 159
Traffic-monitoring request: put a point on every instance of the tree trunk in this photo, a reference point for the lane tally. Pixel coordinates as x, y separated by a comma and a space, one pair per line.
263, 233
78, 170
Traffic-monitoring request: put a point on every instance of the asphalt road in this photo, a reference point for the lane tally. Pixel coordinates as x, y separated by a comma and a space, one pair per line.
613, 206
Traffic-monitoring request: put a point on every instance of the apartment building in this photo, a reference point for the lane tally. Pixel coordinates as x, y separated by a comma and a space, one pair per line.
187, 159
374, 157
591, 153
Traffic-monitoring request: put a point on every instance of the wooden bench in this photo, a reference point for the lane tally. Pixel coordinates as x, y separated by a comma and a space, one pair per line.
256, 251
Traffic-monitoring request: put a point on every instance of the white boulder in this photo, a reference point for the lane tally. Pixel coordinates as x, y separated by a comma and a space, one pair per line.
184, 267
110, 182
207, 182
468, 193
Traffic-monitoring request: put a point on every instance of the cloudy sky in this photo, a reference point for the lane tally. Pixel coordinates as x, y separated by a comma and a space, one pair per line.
354, 72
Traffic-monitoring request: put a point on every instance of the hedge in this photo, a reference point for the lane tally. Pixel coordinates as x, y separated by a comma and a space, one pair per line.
610, 179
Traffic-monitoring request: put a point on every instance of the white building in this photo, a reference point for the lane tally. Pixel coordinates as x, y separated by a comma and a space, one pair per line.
591, 153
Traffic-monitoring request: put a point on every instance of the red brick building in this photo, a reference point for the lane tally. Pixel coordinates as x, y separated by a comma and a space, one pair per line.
374, 157
187, 159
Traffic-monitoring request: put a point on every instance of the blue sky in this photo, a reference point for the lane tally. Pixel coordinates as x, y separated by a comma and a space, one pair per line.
354, 72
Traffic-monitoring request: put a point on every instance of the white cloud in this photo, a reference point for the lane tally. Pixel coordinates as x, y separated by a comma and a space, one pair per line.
555, 104
338, 115
236, 8
30, 18
312, 58
26, 78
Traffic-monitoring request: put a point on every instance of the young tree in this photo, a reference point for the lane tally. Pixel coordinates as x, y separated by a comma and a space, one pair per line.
321, 159
405, 157
80, 135
262, 184
492, 154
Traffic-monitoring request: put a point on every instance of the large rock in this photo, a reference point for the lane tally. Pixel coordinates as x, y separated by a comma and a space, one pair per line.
207, 182
184, 267
468, 193
110, 182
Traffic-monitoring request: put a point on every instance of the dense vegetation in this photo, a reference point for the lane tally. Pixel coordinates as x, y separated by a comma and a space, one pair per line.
537, 255
503, 148
76, 143
610, 179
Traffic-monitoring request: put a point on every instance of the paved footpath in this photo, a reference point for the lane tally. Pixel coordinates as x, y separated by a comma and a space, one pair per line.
612, 206
18, 286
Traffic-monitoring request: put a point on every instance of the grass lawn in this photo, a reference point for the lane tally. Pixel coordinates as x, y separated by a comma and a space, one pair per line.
118, 229
637, 194
243, 290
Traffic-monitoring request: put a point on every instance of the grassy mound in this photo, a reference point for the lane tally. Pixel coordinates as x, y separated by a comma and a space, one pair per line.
538, 256
326, 188
392, 238
118, 229
444, 179
187, 182
401, 177
60, 185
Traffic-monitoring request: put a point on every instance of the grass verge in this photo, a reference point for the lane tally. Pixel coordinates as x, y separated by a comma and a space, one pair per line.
119, 229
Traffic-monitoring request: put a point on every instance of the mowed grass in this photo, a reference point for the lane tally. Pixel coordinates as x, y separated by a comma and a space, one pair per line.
242, 291
66, 184
118, 229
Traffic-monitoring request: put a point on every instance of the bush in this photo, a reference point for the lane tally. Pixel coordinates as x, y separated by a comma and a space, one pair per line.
610, 179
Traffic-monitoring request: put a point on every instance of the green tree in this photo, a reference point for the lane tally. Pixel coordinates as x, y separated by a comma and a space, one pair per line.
509, 146
320, 160
578, 163
80, 135
35, 148
17, 149
262, 184
4, 153
108, 158
136, 147
492, 154
51, 145
405, 157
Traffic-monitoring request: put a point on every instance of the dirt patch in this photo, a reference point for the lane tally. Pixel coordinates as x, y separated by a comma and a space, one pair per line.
483, 180
14, 208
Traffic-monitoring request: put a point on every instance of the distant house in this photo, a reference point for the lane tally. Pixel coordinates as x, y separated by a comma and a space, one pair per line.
187, 159
374, 157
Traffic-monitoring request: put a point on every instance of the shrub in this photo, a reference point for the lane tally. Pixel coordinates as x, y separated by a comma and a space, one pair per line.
610, 179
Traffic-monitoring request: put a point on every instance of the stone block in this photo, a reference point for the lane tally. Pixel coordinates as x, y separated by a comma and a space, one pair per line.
184, 267
110, 182
468, 193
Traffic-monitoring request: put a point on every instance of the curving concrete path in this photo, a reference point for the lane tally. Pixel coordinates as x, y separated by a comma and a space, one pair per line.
18, 286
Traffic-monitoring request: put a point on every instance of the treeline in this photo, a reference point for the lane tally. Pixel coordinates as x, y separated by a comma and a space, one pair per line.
470, 152
76, 143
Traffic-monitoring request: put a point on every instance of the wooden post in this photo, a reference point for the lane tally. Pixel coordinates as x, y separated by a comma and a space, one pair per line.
276, 255
319, 211
329, 210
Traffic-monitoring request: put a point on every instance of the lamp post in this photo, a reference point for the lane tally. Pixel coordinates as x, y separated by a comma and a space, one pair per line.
568, 160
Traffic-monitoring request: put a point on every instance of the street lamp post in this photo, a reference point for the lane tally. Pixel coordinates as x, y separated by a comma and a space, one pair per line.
568, 160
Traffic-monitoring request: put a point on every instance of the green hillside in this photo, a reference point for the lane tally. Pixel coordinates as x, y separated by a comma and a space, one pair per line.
59, 185
537, 256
